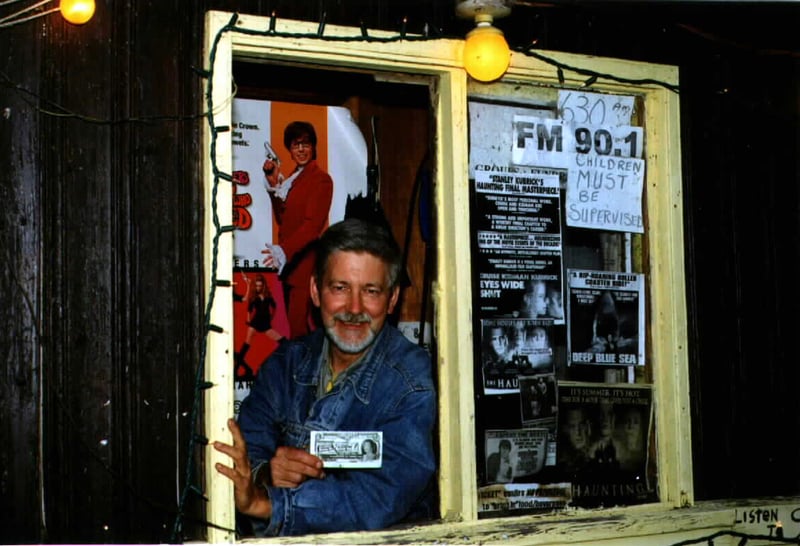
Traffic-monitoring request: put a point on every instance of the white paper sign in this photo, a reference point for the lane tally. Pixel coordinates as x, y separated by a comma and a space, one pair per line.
594, 108
606, 172
605, 193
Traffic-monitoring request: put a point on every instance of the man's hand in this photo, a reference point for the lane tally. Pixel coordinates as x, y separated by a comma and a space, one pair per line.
269, 260
270, 172
250, 500
292, 466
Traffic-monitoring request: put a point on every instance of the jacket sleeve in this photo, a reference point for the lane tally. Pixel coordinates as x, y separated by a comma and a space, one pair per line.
366, 499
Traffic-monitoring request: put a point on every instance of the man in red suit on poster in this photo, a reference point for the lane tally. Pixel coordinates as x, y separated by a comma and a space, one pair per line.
301, 203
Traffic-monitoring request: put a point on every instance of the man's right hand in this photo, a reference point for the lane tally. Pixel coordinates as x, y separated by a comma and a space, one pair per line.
292, 466
270, 172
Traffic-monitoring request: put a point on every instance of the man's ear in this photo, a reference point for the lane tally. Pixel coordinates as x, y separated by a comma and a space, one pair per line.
393, 299
314, 290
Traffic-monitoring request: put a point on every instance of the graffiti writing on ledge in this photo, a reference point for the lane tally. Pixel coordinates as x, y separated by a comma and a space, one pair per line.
774, 521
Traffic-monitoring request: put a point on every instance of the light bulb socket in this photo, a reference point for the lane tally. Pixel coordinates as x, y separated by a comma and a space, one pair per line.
468, 9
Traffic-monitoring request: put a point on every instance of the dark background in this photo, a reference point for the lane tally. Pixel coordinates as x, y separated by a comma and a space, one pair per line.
101, 243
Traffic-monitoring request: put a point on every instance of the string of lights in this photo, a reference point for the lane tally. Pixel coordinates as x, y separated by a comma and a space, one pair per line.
57, 110
200, 384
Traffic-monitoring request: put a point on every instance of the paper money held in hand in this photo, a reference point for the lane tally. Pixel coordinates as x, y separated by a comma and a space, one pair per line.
348, 448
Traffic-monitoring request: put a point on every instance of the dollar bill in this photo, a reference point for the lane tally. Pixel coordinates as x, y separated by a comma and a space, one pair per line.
348, 448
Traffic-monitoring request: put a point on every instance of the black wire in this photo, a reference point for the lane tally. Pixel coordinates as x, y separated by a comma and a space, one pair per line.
744, 536
363, 36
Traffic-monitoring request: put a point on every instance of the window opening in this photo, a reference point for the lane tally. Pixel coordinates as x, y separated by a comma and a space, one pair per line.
563, 415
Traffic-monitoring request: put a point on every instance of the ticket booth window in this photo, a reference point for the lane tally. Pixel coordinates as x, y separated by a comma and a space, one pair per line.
517, 249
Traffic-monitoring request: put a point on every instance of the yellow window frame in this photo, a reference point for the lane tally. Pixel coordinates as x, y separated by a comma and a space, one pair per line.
437, 63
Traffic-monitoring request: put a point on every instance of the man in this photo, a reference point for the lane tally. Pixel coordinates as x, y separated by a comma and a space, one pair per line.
603, 450
301, 203
576, 430
355, 373
498, 466
555, 303
499, 354
534, 301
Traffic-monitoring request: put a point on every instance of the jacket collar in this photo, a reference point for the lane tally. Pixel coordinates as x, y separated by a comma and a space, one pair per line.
362, 377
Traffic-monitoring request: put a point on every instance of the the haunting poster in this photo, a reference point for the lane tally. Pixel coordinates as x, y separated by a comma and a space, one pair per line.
514, 348
603, 442
294, 168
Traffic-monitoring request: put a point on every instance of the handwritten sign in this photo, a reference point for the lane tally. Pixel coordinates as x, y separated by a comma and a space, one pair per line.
779, 520
605, 193
594, 108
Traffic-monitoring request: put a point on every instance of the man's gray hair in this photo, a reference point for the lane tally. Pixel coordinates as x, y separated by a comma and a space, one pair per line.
355, 235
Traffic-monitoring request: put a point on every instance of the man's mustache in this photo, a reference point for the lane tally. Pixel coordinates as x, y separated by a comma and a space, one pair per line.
353, 318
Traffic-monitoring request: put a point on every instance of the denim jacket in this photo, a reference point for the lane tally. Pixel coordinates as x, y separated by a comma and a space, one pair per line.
391, 390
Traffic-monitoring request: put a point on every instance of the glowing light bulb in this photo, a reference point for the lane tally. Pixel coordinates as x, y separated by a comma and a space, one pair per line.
77, 12
486, 52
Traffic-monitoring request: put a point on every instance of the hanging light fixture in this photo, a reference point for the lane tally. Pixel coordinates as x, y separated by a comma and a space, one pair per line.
77, 12
486, 53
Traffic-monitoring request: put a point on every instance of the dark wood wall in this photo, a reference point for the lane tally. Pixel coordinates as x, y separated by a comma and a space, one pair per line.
100, 240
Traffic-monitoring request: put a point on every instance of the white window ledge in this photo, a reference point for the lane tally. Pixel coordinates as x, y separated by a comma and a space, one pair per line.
648, 524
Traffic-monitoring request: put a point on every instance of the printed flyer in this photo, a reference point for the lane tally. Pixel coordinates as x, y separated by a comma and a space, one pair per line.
606, 318
604, 442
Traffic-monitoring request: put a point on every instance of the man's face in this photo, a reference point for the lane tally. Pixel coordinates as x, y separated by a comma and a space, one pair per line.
505, 452
606, 420
577, 430
301, 150
633, 427
539, 339
536, 299
354, 299
555, 304
499, 342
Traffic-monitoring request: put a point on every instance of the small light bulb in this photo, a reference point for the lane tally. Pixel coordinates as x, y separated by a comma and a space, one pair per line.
77, 12
486, 52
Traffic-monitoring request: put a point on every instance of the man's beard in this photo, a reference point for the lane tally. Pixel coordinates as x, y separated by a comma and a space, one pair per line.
350, 347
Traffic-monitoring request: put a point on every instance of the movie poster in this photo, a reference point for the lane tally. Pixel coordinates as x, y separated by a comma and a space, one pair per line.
514, 348
606, 318
294, 168
538, 400
514, 460
603, 446
515, 455
519, 244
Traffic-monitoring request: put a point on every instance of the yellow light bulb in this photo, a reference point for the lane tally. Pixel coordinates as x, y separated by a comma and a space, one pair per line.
486, 53
77, 12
